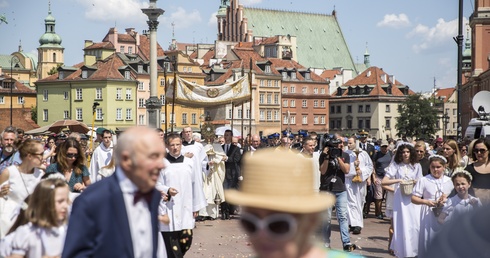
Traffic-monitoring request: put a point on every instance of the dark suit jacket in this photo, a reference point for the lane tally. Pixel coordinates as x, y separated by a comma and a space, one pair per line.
232, 165
99, 225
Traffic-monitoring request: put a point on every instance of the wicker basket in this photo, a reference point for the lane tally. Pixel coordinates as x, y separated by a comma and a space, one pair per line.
406, 187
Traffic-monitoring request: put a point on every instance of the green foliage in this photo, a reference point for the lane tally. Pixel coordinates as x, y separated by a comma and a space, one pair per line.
34, 113
418, 119
54, 69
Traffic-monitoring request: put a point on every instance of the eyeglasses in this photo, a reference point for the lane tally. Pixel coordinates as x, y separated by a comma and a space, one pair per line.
465, 150
279, 225
481, 151
419, 151
72, 155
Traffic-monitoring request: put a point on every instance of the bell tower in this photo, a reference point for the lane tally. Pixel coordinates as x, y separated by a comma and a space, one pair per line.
50, 51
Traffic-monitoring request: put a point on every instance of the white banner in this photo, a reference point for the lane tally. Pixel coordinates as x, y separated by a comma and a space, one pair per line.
195, 95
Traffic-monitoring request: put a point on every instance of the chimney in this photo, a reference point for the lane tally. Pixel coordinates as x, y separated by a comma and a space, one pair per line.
368, 73
88, 43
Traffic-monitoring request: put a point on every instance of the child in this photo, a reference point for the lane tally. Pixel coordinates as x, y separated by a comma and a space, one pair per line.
431, 192
462, 202
6, 242
47, 215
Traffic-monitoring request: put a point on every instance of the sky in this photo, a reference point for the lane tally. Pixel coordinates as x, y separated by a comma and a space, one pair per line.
412, 40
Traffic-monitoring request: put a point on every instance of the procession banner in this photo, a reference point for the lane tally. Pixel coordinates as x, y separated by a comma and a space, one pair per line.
194, 95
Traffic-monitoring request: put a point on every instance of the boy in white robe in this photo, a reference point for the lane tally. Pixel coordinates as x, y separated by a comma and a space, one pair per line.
101, 157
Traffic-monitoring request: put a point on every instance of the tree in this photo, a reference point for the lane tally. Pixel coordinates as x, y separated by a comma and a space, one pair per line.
418, 118
34, 114
54, 69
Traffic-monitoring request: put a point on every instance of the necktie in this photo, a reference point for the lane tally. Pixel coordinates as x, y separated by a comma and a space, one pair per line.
138, 195
227, 147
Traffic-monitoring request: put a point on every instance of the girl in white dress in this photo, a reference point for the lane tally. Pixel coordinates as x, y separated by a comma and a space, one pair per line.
406, 219
431, 193
47, 213
18, 181
461, 203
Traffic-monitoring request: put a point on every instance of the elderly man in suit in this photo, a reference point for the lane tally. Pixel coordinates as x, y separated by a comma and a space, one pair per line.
117, 217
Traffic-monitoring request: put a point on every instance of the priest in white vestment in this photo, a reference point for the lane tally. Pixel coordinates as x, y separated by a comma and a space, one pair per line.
213, 183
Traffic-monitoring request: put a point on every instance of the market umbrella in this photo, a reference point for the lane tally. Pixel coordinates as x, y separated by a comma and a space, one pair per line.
221, 131
73, 125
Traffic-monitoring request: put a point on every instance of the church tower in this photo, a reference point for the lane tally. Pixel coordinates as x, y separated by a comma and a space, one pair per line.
50, 51
367, 62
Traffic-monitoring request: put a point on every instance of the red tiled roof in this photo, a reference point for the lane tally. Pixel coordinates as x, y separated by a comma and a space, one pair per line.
269, 40
101, 45
18, 89
445, 94
126, 38
330, 74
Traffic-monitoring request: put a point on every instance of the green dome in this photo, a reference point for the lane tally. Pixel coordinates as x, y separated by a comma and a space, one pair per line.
50, 38
50, 19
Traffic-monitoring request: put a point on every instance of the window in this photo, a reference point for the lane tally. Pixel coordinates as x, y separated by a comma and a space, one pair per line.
98, 93
162, 82
322, 91
118, 114
140, 68
388, 123
322, 103
293, 89
261, 83
332, 124
305, 120
130, 50
269, 98
128, 93
118, 93
315, 90
45, 95
285, 103
141, 86
276, 83
293, 75
293, 120
98, 114
284, 75
361, 108
339, 123
307, 76
185, 69
285, 89
141, 103
121, 49
368, 123
304, 90
304, 103
184, 118
349, 109
267, 69
269, 115
276, 98
248, 114
332, 109
162, 99
339, 109
455, 125
129, 114
261, 98
45, 115
368, 108
284, 119
2, 99
78, 94
79, 114
455, 112
262, 114
20, 100
276, 115
162, 117
315, 120
65, 95
315, 103
293, 103
269, 83
141, 120
194, 117
322, 120
349, 124
360, 124
387, 108
66, 114
189, 69
230, 113
127, 75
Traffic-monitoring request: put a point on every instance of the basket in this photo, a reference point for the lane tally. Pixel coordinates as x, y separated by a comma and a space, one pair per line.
406, 187
437, 210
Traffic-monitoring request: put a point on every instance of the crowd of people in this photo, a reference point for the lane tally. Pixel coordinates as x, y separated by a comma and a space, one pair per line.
60, 196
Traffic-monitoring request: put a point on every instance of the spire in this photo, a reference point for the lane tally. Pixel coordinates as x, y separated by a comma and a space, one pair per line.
50, 37
366, 57
49, 7
20, 45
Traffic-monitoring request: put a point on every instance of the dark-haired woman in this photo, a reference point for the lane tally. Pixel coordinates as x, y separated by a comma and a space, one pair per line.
480, 170
70, 161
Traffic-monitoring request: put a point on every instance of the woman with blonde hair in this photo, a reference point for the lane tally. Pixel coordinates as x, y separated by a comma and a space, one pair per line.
451, 153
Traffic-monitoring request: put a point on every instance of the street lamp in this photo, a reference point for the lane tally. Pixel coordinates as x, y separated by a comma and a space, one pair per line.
166, 63
12, 84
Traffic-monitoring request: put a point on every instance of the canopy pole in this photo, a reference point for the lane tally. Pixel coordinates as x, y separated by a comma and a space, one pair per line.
172, 116
250, 88
232, 115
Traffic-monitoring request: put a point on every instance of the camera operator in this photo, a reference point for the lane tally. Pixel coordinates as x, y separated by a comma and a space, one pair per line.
334, 165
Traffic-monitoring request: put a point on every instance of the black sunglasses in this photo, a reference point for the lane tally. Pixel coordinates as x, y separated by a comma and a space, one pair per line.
481, 151
71, 155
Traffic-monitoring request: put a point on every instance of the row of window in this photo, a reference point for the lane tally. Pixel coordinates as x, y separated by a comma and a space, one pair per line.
269, 115
364, 123
360, 109
262, 97
269, 83
98, 114
304, 90
239, 114
98, 94
304, 103
20, 100
317, 120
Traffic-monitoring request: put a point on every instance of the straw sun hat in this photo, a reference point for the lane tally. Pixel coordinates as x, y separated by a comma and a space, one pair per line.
279, 181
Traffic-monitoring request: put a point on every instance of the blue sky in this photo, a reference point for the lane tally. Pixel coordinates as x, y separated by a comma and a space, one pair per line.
409, 39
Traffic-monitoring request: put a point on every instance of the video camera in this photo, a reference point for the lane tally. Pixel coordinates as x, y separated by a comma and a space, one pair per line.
332, 143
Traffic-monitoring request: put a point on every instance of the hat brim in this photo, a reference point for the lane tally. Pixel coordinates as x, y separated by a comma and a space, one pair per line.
291, 203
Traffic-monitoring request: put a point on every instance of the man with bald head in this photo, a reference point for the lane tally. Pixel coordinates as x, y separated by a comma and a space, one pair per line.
117, 216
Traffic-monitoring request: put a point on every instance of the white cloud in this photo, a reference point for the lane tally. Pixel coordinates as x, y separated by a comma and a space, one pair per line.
114, 10
183, 18
394, 21
4, 3
212, 20
250, 2
432, 37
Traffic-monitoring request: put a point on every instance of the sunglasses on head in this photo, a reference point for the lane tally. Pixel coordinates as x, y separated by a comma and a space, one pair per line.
481, 151
72, 155
279, 225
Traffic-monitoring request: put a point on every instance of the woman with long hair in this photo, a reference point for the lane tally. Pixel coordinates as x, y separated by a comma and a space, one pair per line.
70, 160
480, 170
451, 153
406, 215
18, 181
